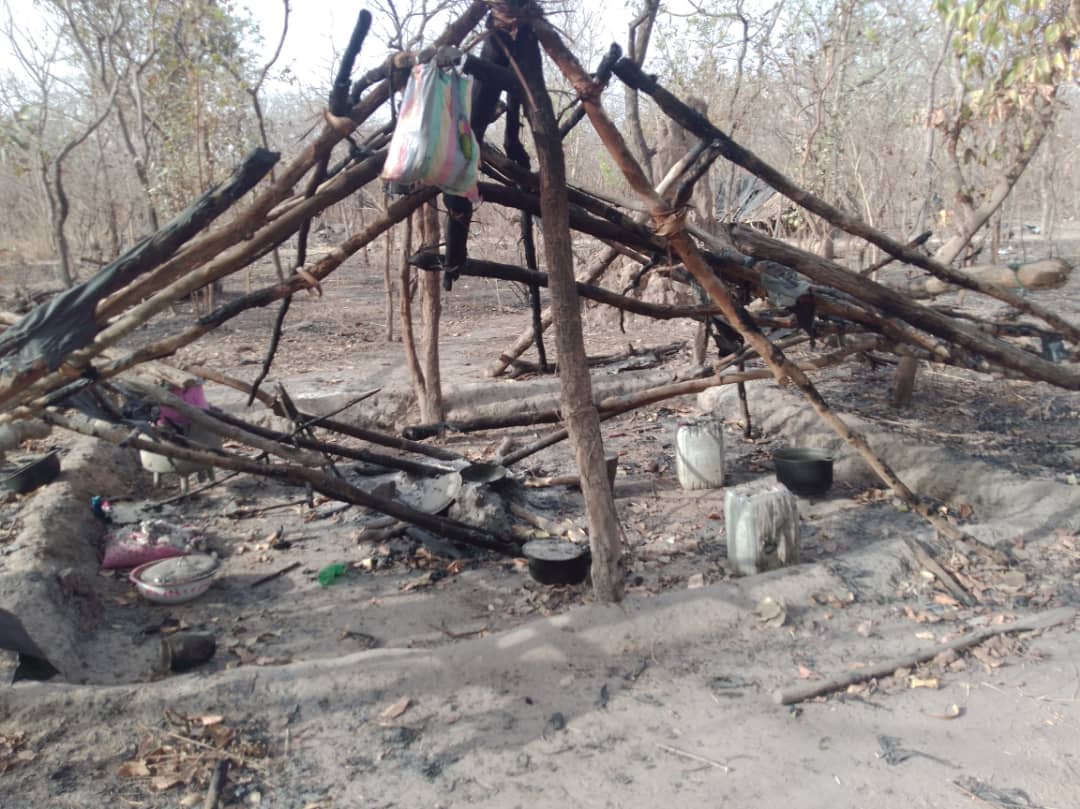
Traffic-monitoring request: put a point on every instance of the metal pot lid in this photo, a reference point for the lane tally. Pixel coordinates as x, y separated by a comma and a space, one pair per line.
483, 473
553, 550
179, 569
430, 495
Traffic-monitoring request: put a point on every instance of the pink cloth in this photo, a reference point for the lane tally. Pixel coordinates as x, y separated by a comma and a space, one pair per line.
194, 396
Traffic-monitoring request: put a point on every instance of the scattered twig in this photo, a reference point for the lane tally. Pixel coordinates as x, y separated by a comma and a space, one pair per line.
244, 513
800, 693
217, 783
675, 751
276, 574
459, 635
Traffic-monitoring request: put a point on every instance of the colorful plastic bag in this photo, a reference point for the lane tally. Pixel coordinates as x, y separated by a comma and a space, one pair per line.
433, 142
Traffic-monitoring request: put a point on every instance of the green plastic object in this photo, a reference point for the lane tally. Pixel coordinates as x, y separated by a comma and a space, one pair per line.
331, 573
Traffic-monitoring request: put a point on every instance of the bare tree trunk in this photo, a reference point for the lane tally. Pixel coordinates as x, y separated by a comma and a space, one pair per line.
52, 181
138, 162
638, 44
389, 283
582, 419
431, 404
971, 216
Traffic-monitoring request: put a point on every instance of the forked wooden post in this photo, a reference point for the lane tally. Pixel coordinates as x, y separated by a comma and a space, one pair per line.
579, 412
670, 223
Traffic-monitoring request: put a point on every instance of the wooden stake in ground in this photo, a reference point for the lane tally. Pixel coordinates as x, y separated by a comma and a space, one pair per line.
582, 419
431, 403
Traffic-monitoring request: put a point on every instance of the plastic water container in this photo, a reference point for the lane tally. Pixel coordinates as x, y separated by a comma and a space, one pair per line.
699, 454
762, 524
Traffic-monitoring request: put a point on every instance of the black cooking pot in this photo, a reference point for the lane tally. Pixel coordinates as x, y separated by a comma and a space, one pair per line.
33, 475
555, 561
808, 472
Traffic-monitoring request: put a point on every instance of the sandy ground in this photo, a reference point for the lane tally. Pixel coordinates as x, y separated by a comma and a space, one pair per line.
427, 680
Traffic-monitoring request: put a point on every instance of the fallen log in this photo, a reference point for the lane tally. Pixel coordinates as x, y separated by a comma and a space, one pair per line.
1050, 273
613, 405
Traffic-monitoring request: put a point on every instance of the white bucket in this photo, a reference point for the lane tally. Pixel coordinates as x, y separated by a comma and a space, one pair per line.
699, 454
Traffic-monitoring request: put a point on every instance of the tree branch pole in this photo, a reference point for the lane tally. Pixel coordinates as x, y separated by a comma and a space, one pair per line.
669, 222
608, 223
395, 212
230, 262
697, 123
430, 262
581, 416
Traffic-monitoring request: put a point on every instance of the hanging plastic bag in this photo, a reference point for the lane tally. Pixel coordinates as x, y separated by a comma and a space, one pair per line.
433, 142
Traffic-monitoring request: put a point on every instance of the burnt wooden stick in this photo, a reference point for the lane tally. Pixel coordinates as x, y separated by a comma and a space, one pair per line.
217, 784
396, 211
254, 216
277, 574
594, 360
898, 305
593, 272
212, 422
580, 220
744, 402
695, 122
601, 76
918, 241
351, 430
508, 272
339, 95
271, 349
43, 339
299, 427
598, 268
698, 170
226, 264
667, 220
292, 474
338, 109
328, 448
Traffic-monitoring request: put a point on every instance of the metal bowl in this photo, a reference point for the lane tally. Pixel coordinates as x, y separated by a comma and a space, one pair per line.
165, 581
807, 472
